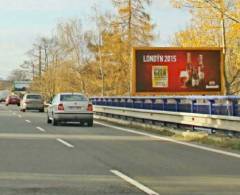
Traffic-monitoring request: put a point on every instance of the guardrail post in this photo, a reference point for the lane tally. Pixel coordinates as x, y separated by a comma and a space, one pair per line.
164, 104
132, 102
152, 103
142, 104
125, 102
192, 105
211, 102
233, 107
177, 104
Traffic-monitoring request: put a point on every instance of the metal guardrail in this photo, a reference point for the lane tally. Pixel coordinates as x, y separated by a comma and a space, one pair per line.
213, 105
210, 112
210, 122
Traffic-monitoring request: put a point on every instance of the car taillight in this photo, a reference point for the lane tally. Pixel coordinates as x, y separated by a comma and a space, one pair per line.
60, 107
90, 107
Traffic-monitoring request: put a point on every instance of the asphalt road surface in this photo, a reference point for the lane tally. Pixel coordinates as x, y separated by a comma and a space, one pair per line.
38, 158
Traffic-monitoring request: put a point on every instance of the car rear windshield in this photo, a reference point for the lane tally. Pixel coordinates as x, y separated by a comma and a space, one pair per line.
34, 97
72, 98
13, 96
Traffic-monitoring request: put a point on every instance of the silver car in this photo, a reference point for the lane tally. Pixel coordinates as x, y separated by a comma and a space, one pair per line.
70, 107
32, 101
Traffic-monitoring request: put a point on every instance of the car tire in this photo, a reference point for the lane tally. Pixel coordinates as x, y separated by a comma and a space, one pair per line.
48, 120
90, 123
54, 122
41, 110
18, 104
6, 104
23, 110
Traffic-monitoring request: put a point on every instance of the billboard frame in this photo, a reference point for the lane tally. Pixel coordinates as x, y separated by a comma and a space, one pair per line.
134, 68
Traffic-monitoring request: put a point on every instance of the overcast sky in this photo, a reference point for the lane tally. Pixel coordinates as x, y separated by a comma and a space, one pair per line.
23, 21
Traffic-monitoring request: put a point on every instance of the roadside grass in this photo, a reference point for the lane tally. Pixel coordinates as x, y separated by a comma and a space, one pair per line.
213, 140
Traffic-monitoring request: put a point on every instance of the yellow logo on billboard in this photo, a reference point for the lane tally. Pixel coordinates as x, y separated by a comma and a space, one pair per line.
159, 76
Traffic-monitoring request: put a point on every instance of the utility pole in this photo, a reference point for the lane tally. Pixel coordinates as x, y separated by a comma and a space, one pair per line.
130, 46
223, 27
100, 62
223, 32
40, 61
33, 70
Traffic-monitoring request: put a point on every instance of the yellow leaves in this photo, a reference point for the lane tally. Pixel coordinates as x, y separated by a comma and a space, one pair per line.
100, 60
124, 10
236, 27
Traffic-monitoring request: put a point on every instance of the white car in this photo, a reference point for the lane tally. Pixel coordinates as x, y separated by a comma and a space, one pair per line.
32, 101
70, 107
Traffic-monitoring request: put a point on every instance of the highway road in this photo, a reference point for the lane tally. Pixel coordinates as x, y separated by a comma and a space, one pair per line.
39, 159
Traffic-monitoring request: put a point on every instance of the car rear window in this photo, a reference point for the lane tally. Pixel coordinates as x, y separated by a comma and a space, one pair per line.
34, 97
14, 96
72, 97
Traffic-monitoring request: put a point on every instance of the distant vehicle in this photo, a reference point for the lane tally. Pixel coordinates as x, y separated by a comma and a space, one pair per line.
13, 100
3, 95
2, 99
70, 107
32, 101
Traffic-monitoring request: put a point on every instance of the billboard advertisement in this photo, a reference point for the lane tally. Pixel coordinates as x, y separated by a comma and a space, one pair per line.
21, 85
177, 71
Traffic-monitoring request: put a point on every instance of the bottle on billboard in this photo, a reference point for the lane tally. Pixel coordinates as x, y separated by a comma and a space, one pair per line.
201, 72
189, 69
195, 77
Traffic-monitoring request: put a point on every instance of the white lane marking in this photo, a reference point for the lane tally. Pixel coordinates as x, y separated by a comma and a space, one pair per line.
28, 121
134, 183
19, 116
172, 140
65, 143
41, 129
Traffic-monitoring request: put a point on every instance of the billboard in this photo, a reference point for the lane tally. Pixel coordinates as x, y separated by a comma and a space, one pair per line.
177, 71
21, 85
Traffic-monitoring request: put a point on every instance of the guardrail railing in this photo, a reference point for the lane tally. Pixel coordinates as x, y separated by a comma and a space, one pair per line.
213, 105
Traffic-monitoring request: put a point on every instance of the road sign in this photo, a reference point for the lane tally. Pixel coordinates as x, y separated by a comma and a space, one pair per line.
21, 86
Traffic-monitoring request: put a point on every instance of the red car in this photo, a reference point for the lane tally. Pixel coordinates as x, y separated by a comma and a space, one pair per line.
12, 99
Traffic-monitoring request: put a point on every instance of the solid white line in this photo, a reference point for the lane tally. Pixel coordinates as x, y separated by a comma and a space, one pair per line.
172, 140
28, 121
41, 129
134, 183
65, 143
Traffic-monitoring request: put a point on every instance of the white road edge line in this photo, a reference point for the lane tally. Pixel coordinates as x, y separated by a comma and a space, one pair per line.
172, 140
28, 121
41, 129
134, 183
65, 143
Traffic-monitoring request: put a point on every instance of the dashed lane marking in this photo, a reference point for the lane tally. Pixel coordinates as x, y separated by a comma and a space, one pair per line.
41, 129
134, 183
65, 143
28, 121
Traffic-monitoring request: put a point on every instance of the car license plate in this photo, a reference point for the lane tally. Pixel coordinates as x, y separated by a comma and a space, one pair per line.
75, 107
